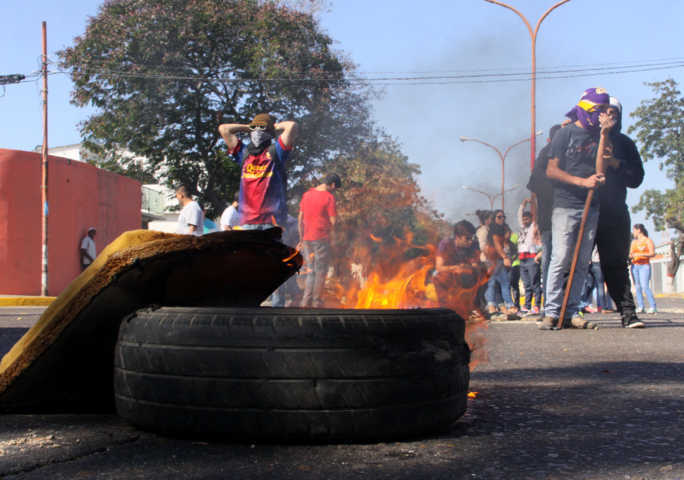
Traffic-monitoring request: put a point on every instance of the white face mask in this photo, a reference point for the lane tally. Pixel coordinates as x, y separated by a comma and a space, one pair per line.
258, 137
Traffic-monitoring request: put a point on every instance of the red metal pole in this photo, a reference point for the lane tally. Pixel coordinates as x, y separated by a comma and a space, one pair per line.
503, 161
533, 101
44, 183
533, 93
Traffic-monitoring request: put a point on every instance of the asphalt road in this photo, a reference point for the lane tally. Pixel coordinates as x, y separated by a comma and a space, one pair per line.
605, 404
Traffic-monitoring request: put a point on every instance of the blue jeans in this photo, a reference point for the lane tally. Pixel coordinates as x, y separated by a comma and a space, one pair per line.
501, 277
599, 289
642, 279
289, 287
317, 255
566, 223
529, 271
545, 260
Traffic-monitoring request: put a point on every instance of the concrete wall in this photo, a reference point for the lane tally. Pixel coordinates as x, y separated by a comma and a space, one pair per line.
79, 196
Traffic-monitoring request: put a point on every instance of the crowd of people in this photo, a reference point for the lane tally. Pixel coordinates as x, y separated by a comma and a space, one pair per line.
577, 215
576, 209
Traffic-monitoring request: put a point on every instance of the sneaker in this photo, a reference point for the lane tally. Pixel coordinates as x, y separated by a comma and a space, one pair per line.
578, 322
641, 310
651, 310
589, 309
548, 323
632, 322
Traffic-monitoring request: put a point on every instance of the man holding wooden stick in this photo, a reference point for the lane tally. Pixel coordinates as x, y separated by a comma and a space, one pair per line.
576, 168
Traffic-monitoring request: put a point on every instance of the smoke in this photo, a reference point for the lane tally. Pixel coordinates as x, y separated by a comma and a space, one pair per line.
428, 118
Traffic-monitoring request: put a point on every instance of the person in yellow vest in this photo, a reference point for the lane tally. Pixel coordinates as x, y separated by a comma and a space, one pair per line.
515, 271
640, 253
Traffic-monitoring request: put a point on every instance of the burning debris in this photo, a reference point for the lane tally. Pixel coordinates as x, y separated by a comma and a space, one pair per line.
398, 274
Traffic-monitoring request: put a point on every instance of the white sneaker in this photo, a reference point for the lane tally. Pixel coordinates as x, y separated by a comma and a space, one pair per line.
641, 310
651, 310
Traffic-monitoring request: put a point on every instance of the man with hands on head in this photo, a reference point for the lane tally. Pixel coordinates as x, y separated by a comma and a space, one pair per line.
262, 202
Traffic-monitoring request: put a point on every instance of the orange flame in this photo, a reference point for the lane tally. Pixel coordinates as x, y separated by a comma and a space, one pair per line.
387, 280
472, 394
294, 254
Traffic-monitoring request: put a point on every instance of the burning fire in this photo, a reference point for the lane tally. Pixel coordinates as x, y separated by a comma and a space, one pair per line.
394, 281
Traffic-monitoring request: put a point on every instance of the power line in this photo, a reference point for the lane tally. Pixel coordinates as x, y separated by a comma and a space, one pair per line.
524, 70
410, 78
400, 78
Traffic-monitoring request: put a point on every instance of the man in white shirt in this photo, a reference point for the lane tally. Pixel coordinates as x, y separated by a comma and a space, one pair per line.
88, 252
230, 217
191, 218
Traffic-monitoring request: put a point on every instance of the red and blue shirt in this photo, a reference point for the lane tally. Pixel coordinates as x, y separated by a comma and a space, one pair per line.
262, 184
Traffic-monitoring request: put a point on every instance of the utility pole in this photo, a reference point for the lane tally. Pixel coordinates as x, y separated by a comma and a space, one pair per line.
533, 83
44, 184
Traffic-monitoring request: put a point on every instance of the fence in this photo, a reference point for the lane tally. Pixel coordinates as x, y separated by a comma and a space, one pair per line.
660, 282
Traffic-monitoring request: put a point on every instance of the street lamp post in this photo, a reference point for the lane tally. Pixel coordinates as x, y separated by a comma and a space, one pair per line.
533, 36
490, 196
502, 156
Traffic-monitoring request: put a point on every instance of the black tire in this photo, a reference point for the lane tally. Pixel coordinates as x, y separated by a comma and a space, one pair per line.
292, 374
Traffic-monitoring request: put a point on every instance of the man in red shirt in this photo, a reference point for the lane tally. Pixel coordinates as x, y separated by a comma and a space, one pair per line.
317, 215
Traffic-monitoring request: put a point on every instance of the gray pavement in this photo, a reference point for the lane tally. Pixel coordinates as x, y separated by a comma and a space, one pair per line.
571, 404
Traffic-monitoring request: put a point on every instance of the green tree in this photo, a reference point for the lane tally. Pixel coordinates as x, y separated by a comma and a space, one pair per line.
164, 74
382, 221
658, 130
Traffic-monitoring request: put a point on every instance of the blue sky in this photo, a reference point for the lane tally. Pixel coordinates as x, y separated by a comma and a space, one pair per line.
397, 38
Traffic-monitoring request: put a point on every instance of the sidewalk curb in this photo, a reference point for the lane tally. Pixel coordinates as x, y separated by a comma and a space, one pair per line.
27, 301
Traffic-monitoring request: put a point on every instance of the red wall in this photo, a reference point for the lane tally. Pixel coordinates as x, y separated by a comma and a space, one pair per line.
79, 196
